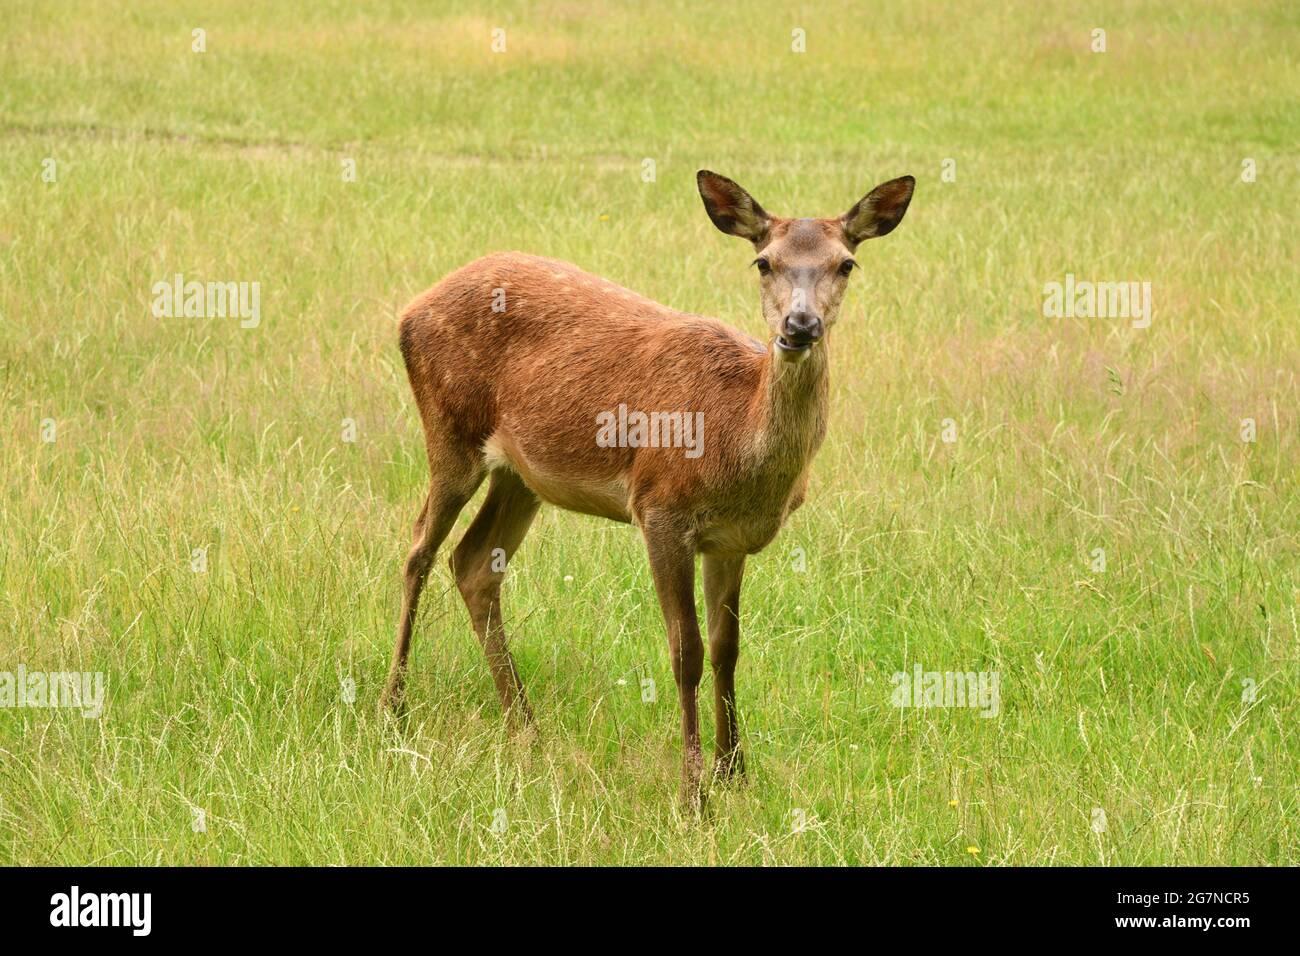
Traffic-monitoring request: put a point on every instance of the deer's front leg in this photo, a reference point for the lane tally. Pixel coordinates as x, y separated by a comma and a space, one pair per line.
722, 574
672, 563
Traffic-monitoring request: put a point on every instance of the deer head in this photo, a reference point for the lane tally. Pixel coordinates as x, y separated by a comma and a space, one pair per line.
803, 264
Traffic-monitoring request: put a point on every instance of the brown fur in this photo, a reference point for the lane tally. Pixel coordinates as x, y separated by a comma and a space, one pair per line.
515, 392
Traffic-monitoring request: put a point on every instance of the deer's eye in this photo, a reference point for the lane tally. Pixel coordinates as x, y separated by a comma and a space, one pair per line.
847, 266
764, 267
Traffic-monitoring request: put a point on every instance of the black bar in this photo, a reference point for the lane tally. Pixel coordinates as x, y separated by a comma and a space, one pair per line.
335, 906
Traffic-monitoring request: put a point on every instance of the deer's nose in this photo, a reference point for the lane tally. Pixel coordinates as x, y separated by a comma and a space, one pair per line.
801, 328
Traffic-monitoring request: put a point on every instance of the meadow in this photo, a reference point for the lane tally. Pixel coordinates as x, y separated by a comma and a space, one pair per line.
213, 513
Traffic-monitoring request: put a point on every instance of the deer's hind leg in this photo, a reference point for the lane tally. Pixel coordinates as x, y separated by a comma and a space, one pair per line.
455, 474
479, 565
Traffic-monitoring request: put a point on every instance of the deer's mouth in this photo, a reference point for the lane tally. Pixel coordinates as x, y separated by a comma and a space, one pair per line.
794, 346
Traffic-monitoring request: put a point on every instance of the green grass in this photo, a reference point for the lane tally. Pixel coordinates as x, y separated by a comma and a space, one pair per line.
1121, 690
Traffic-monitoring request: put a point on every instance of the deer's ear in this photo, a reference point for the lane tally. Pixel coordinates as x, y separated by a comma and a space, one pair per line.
732, 210
878, 212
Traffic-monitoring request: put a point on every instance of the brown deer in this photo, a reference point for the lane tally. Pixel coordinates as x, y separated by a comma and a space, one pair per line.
519, 363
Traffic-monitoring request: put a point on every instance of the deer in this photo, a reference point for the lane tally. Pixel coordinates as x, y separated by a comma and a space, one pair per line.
515, 360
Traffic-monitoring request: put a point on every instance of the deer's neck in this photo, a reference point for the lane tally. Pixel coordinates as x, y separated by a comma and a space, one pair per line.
791, 410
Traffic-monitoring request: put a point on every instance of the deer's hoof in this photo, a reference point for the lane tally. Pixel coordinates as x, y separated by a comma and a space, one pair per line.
695, 803
392, 703
694, 794
526, 734
729, 768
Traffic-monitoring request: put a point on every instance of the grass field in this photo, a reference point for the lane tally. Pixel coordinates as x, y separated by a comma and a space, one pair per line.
1148, 710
